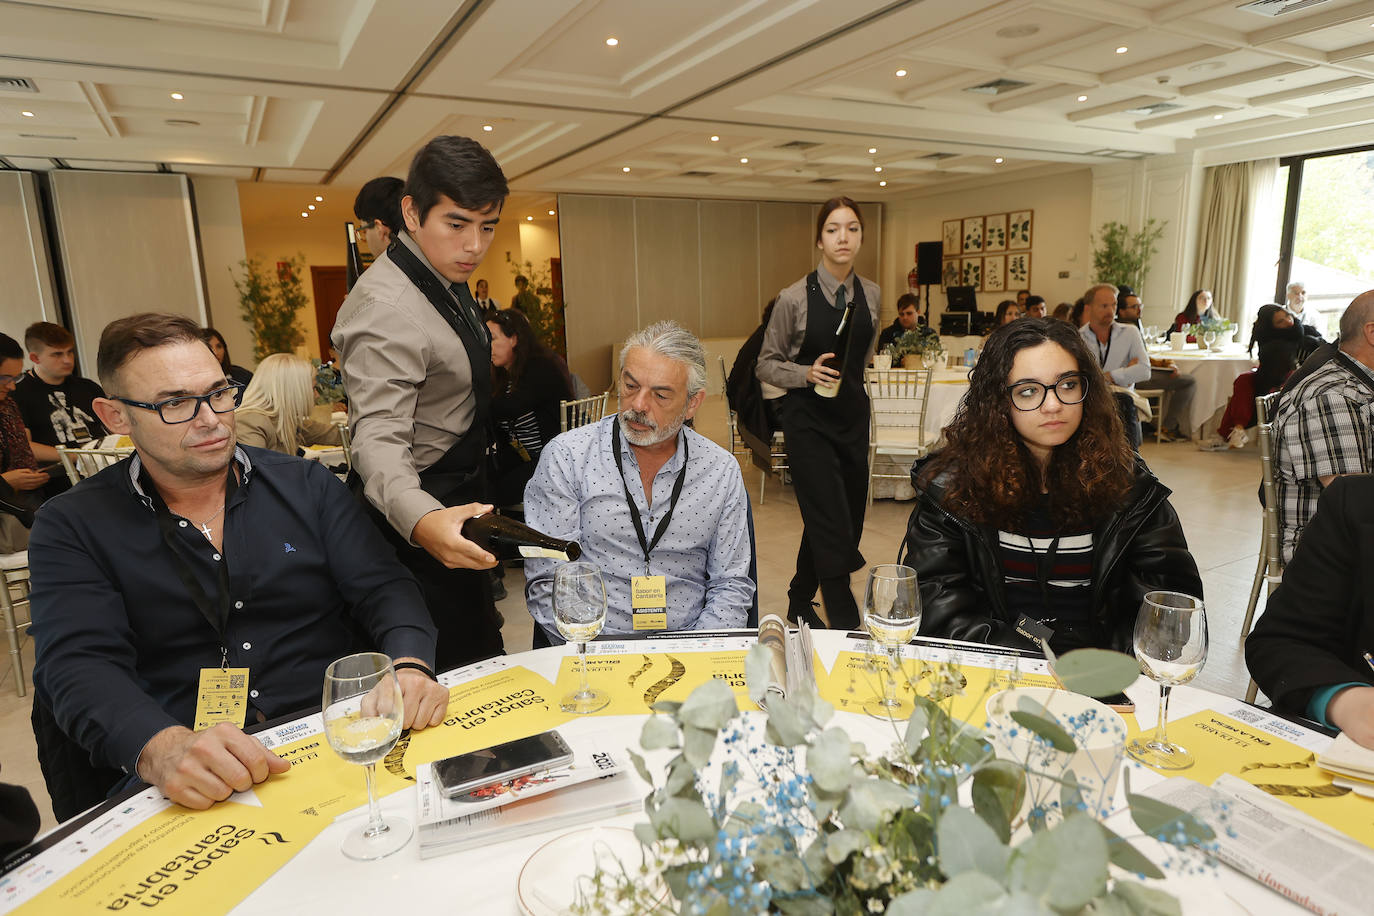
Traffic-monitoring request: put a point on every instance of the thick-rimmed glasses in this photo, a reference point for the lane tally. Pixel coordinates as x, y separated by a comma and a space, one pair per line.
1071, 389
183, 409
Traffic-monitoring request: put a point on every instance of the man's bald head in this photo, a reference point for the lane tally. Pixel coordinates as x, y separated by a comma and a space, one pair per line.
1358, 315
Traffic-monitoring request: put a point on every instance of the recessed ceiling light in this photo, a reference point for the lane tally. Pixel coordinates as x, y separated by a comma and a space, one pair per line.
1082, 98
487, 128
612, 42
310, 207
901, 73
1217, 117
624, 168
27, 114
319, 199
715, 138
882, 184
877, 168
306, 215
872, 149
529, 219
998, 160
743, 160
178, 96
1122, 50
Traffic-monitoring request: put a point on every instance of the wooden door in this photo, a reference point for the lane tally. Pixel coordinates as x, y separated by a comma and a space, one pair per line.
330, 285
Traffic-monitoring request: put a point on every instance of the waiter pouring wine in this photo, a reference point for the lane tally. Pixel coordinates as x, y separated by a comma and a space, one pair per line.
817, 344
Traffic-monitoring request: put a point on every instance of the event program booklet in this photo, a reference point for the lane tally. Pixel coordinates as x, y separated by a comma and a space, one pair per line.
1276, 844
594, 786
793, 658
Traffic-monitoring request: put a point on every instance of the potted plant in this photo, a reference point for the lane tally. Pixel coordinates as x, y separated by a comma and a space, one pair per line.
1122, 257
269, 305
917, 348
1223, 328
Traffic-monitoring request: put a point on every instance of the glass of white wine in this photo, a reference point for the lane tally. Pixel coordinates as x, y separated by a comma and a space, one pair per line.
579, 611
1171, 647
892, 614
362, 720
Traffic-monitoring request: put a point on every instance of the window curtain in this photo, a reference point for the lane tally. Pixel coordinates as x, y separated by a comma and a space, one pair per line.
1237, 206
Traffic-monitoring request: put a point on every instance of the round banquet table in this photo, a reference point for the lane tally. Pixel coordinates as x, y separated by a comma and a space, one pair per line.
1215, 374
319, 879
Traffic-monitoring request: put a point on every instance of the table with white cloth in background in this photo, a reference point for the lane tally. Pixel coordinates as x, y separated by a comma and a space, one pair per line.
947, 387
313, 876
1215, 373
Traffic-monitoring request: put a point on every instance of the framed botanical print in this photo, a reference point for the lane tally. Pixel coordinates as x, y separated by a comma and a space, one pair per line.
953, 245
950, 275
1019, 229
1018, 270
973, 236
995, 233
995, 273
972, 272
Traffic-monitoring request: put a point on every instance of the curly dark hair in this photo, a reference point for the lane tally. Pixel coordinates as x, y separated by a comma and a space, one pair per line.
994, 479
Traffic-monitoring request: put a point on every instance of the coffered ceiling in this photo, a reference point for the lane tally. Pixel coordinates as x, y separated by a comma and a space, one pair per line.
781, 99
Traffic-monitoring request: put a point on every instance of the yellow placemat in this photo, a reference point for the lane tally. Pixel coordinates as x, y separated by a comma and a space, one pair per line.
636, 681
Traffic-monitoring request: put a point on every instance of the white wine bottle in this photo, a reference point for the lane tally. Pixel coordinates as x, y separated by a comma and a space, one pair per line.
508, 539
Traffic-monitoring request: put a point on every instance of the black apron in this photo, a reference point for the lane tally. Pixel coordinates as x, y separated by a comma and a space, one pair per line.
459, 600
827, 443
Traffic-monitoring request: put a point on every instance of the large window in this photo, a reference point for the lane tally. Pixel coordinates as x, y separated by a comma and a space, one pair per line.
1327, 227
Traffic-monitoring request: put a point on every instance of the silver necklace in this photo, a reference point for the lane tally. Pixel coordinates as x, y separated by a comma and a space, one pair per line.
205, 528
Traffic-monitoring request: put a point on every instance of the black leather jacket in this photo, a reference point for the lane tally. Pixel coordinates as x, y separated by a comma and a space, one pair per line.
1138, 549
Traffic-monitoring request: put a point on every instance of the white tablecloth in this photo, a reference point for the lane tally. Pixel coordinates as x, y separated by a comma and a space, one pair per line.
1215, 374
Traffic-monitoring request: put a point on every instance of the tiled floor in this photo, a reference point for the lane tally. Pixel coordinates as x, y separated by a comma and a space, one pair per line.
1214, 494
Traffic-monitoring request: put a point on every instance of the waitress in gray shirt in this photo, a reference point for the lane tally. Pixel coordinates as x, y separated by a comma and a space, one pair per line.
817, 344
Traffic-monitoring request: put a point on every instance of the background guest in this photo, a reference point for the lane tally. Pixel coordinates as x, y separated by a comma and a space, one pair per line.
276, 406
529, 381
215, 341
1199, 307
1037, 508
1035, 307
378, 209
484, 300
906, 320
1007, 312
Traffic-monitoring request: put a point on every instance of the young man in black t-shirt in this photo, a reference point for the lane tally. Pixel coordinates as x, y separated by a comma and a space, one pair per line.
54, 401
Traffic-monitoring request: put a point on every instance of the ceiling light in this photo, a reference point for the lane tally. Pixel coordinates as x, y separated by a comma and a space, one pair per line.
486, 127
319, 199
624, 168
715, 138
882, 184
1082, 98
310, 207
877, 168
872, 150
901, 73
552, 212
306, 215
743, 160
178, 96
27, 114
1216, 117
998, 160
529, 219
1122, 50
612, 42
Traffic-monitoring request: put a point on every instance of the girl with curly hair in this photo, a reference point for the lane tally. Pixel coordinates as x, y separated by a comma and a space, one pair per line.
1037, 521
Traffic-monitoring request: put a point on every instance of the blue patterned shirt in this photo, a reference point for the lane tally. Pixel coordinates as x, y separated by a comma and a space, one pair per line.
576, 493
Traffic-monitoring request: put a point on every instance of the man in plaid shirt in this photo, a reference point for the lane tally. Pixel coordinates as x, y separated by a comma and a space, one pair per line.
1323, 426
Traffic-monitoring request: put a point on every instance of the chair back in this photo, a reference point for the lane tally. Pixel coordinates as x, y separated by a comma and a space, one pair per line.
80, 463
346, 441
583, 411
897, 399
1265, 406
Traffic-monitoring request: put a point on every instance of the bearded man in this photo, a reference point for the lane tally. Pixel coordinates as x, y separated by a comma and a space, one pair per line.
661, 510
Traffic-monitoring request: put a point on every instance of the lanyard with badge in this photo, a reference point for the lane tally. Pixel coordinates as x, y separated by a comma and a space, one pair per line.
648, 593
222, 695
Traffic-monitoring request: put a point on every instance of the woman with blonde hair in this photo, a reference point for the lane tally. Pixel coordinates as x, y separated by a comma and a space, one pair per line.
275, 413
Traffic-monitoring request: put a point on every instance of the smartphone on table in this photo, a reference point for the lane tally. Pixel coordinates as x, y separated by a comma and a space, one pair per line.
464, 773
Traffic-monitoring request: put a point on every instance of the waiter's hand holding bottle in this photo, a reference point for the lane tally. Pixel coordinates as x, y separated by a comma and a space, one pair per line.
824, 374
441, 534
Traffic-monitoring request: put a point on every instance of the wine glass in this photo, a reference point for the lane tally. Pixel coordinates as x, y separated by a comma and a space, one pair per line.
362, 720
892, 614
1209, 337
1171, 646
579, 611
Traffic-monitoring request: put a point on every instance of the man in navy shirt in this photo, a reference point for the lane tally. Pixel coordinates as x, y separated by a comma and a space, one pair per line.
199, 558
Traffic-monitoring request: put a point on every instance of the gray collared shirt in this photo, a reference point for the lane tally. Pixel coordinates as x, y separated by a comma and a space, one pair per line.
787, 328
409, 386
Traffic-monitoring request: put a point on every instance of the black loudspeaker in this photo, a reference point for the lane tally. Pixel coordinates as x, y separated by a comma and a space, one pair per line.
928, 263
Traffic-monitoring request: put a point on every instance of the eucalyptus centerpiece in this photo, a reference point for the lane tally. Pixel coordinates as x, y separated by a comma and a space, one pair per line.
787, 814
922, 341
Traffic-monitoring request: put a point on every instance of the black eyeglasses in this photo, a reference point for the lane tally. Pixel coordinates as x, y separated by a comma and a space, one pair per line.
1071, 389
183, 409
365, 224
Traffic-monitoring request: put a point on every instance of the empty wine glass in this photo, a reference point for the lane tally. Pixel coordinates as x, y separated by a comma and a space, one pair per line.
1209, 337
892, 614
1171, 646
362, 720
579, 610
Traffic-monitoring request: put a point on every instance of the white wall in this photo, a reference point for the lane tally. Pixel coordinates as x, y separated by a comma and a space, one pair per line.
24, 263
1061, 252
221, 248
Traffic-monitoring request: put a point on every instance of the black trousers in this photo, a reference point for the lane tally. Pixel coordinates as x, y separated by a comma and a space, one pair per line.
827, 458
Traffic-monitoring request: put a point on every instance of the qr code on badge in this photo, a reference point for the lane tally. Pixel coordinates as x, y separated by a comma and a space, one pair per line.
1246, 714
238, 681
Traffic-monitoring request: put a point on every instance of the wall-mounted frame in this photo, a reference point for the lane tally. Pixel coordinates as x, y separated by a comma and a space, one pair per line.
995, 232
953, 244
972, 236
971, 272
1019, 270
950, 275
1020, 226
995, 273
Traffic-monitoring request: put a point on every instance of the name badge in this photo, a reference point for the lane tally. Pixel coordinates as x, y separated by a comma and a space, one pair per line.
222, 697
649, 600
1037, 632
